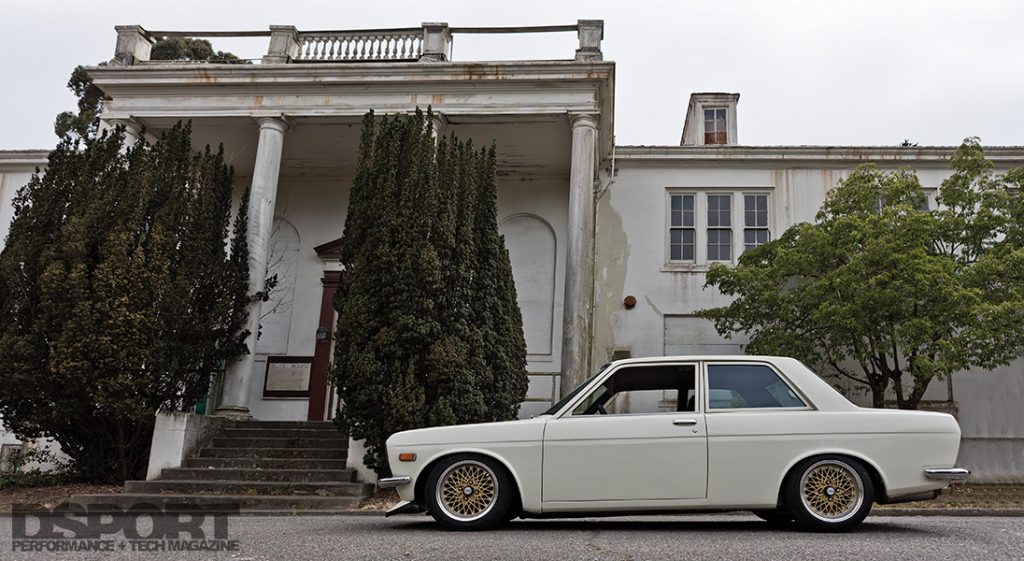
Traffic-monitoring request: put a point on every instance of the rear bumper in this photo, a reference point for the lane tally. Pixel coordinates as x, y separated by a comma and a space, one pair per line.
947, 474
393, 482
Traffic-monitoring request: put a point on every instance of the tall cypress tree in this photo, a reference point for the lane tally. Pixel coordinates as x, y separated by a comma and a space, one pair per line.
429, 332
495, 308
117, 295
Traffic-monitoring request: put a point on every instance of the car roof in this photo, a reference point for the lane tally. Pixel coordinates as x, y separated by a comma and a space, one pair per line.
691, 358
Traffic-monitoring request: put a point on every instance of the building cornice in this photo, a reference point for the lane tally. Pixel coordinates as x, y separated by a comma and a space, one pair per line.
507, 88
807, 155
23, 160
347, 73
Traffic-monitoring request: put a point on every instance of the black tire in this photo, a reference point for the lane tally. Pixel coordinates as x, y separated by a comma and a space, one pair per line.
828, 493
469, 492
775, 518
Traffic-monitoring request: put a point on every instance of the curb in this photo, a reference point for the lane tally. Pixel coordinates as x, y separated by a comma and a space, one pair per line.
1002, 512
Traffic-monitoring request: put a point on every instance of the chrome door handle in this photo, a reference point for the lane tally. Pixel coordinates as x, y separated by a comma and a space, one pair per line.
684, 422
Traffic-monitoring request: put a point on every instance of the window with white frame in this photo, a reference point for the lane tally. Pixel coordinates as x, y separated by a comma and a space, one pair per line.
715, 131
929, 204
755, 221
719, 227
715, 225
682, 228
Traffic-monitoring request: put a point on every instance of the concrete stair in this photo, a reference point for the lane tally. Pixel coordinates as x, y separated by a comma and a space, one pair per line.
262, 466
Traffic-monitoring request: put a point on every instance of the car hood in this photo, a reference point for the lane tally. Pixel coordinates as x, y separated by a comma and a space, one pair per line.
505, 431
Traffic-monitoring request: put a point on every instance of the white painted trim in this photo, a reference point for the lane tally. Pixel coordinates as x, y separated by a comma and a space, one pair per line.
936, 156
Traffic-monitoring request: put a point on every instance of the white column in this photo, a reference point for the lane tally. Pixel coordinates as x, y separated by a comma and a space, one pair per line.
440, 125
579, 267
262, 196
132, 129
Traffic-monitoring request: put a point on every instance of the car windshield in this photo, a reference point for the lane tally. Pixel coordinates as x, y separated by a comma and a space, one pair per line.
568, 397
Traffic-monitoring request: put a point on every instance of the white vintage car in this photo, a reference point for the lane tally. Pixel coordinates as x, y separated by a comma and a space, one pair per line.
681, 434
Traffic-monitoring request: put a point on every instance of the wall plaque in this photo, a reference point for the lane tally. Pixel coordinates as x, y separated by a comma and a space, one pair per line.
287, 376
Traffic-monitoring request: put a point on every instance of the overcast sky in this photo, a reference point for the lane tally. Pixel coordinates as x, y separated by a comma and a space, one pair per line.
809, 72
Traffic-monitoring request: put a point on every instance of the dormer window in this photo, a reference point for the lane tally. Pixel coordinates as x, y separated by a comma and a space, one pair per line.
715, 127
710, 120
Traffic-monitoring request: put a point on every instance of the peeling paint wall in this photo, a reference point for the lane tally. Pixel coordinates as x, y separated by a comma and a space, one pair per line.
612, 254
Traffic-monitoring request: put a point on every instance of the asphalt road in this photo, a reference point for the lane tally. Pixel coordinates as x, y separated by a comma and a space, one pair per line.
689, 538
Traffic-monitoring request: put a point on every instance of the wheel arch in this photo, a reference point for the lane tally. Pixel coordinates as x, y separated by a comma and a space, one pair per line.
876, 474
421, 481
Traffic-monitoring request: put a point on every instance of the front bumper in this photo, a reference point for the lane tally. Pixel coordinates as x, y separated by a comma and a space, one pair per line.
947, 474
393, 482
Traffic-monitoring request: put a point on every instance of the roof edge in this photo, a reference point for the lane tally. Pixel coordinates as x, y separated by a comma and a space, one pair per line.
807, 153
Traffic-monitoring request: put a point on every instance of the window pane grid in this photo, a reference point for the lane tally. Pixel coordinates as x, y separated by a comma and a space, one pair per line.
714, 126
755, 211
755, 220
719, 244
719, 211
682, 232
754, 237
681, 246
682, 211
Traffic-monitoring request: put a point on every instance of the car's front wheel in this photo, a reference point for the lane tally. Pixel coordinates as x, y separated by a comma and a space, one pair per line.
829, 493
469, 492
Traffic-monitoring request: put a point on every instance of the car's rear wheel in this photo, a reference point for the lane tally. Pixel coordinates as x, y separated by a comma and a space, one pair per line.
829, 493
469, 492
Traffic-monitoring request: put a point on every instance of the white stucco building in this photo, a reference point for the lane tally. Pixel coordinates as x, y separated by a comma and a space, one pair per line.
609, 244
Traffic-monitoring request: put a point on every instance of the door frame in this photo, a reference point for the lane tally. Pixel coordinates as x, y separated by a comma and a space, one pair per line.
318, 385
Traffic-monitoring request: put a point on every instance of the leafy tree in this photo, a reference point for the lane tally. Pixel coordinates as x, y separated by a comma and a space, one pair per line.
882, 293
118, 297
189, 49
429, 332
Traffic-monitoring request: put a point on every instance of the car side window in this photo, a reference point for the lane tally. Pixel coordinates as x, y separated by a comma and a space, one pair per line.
637, 390
748, 386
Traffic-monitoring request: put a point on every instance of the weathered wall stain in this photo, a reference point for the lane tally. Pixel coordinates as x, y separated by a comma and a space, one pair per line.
612, 252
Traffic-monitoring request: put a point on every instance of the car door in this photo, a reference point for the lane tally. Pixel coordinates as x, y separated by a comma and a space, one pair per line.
758, 422
649, 443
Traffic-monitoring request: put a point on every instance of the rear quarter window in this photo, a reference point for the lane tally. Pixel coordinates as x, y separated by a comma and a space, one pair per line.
748, 386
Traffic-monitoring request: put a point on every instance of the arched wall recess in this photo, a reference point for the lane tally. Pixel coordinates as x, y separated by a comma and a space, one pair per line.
532, 248
276, 320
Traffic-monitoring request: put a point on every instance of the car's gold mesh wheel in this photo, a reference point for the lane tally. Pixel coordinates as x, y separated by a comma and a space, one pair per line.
466, 490
831, 490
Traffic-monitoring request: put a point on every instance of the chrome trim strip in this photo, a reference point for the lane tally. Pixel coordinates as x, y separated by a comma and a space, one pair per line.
392, 482
947, 474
